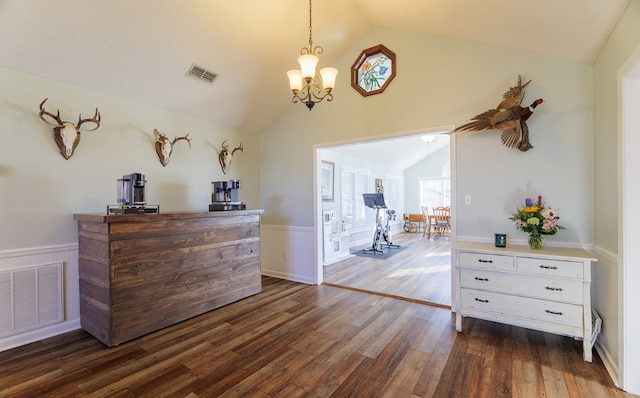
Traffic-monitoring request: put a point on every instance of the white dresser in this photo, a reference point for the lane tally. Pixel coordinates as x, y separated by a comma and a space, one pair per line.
547, 289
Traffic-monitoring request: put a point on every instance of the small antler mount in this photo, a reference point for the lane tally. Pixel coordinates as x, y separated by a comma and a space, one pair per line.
225, 156
164, 146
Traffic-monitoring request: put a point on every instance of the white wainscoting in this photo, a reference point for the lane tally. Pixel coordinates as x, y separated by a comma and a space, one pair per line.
289, 253
17, 259
605, 299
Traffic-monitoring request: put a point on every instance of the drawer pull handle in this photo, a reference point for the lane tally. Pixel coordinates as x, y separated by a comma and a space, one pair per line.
548, 267
554, 289
553, 312
484, 261
481, 279
482, 301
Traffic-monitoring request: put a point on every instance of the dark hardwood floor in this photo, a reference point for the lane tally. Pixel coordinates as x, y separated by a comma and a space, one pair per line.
421, 271
296, 340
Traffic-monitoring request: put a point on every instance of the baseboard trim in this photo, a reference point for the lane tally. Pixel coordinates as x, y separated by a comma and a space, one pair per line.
609, 364
33, 336
288, 277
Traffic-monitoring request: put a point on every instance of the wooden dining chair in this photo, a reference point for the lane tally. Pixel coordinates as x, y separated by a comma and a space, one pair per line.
442, 221
428, 221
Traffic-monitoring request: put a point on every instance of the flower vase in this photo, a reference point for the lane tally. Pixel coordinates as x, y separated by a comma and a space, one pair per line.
536, 241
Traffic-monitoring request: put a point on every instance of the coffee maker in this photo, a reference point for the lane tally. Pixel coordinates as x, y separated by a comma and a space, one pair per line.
224, 196
132, 196
131, 190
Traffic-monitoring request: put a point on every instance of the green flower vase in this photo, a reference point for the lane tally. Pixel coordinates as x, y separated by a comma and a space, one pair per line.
536, 241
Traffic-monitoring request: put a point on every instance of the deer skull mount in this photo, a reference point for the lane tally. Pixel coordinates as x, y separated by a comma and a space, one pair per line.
225, 156
66, 134
164, 146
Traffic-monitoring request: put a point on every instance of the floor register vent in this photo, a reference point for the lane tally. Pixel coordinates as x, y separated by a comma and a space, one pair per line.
30, 298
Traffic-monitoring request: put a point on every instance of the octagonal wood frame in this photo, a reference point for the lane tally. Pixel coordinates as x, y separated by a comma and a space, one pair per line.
364, 55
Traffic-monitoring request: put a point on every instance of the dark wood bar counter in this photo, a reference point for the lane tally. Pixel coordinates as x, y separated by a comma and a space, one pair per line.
140, 273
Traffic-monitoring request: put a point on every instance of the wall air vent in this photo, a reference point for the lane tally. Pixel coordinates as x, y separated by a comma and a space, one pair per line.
200, 73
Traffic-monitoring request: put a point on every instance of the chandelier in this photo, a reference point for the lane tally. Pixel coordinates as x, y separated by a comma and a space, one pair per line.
306, 85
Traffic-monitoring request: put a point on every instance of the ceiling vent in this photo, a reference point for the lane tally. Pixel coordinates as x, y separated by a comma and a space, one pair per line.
200, 73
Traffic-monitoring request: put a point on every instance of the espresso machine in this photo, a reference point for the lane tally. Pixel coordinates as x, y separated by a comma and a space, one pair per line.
132, 196
224, 196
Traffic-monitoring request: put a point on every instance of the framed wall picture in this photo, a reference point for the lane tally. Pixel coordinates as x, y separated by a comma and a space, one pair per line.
327, 177
373, 70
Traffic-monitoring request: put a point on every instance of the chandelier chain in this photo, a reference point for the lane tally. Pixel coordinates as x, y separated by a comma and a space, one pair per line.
310, 38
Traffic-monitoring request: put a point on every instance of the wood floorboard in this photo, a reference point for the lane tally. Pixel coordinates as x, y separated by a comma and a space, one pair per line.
421, 272
297, 340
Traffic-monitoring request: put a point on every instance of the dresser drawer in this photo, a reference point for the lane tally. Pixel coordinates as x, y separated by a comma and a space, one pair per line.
539, 266
486, 261
522, 307
554, 289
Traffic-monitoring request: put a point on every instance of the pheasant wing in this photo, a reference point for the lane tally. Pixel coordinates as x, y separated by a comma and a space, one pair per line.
514, 96
511, 133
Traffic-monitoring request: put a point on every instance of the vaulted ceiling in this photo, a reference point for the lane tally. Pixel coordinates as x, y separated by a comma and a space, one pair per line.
142, 49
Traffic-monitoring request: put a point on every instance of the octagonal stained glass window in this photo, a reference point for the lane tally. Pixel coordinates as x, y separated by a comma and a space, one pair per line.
373, 70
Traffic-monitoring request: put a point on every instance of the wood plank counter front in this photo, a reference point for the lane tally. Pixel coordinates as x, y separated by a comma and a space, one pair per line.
141, 273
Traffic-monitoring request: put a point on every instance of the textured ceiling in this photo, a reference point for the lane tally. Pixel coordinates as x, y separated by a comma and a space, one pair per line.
141, 49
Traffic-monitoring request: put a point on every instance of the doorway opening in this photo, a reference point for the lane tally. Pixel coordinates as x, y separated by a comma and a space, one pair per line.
399, 165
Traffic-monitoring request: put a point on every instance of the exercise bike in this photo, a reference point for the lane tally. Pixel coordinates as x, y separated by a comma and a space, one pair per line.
381, 234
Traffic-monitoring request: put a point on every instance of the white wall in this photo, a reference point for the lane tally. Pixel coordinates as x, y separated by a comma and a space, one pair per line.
40, 190
431, 166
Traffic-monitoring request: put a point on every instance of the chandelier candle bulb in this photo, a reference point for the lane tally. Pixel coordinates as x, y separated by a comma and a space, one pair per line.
308, 64
328, 78
295, 80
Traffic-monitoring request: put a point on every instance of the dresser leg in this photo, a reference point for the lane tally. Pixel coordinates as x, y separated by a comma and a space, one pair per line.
586, 347
458, 322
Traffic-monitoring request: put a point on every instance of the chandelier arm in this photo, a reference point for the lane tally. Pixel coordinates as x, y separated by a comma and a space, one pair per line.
297, 97
317, 50
315, 91
311, 94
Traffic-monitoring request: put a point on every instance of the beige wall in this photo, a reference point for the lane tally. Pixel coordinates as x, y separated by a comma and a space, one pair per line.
40, 190
442, 82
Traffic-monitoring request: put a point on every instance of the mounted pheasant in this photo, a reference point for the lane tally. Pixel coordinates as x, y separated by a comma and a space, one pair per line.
509, 117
